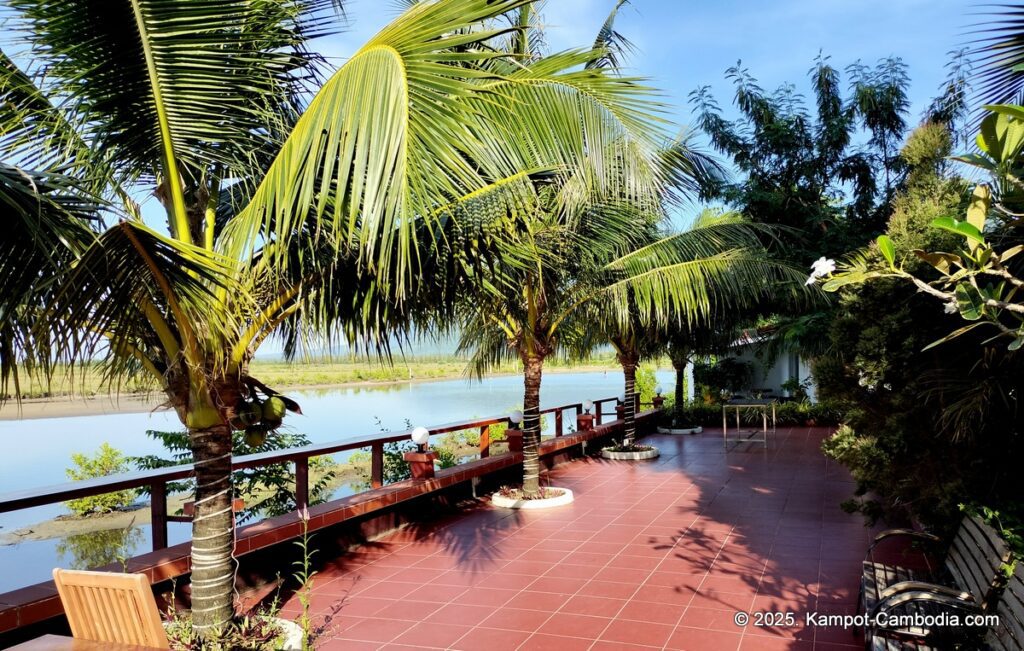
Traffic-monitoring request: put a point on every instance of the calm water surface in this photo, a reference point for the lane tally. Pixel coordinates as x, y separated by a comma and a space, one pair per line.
36, 452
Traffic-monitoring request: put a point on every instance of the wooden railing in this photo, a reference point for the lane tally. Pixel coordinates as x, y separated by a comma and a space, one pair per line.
156, 480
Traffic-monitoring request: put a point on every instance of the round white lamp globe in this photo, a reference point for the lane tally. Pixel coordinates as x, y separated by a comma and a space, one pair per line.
588, 405
420, 435
622, 398
658, 390
515, 417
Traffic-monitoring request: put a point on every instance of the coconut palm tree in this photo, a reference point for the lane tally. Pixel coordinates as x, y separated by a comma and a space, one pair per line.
708, 306
298, 203
567, 279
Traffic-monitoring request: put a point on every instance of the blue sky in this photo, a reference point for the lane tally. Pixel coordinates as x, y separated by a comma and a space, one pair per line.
684, 44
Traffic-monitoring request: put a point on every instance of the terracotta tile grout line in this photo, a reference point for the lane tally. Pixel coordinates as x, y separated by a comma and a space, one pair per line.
566, 526
450, 601
606, 565
567, 597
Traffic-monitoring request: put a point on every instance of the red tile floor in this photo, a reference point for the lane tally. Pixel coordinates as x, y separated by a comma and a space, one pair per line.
651, 555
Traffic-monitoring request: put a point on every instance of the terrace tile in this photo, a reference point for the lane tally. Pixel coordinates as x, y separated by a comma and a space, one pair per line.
654, 555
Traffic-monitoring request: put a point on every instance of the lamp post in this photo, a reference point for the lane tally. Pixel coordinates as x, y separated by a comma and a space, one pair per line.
585, 420
514, 433
421, 461
658, 400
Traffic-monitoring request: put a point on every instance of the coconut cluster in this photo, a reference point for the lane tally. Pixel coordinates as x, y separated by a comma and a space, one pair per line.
257, 418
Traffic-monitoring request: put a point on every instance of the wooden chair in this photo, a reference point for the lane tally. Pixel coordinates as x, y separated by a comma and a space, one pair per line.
113, 608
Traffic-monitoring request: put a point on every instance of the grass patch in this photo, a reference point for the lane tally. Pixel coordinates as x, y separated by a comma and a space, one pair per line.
88, 380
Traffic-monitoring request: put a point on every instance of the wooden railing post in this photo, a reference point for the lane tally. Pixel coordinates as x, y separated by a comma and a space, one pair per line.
302, 483
377, 465
597, 412
485, 441
558, 422
158, 514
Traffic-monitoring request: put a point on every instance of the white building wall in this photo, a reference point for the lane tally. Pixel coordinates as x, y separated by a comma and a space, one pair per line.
772, 377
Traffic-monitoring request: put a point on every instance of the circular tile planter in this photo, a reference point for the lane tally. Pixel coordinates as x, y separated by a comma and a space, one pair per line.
292, 637
566, 497
682, 430
640, 455
291, 634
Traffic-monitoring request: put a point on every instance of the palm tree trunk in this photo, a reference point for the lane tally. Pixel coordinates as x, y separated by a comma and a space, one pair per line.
629, 364
532, 369
213, 539
680, 368
680, 358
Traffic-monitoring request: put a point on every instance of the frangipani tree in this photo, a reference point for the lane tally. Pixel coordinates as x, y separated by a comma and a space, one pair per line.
982, 280
298, 204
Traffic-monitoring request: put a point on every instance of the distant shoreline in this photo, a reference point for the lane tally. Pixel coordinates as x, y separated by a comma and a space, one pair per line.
135, 403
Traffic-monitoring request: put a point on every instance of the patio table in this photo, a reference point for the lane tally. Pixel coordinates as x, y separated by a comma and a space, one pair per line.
764, 405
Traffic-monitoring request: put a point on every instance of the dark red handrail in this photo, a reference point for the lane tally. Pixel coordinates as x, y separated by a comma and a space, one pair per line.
157, 479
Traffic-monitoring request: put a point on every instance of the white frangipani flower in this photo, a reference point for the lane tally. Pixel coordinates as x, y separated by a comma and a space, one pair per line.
820, 268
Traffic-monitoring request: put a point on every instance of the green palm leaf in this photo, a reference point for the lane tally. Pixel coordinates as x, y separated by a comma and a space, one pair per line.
47, 222
999, 58
389, 137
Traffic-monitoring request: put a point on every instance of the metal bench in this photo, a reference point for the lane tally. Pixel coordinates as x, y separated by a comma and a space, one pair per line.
967, 583
1008, 634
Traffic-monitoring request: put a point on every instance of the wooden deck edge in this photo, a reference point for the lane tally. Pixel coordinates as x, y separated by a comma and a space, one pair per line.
34, 604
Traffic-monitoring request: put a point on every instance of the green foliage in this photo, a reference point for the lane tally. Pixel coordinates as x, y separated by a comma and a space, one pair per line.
646, 381
1009, 526
268, 490
304, 575
808, 170
724, 374
106, 461
928, 429
257, 632
788, 414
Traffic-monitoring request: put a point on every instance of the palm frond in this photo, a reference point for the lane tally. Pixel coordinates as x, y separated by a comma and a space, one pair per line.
386, 139
611, 45
48, 223
164, 84
717, 266
39, 135
998, 56
136, 293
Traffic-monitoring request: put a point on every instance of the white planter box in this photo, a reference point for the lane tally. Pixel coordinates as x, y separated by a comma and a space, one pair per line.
509, 503
630, 456
684, 430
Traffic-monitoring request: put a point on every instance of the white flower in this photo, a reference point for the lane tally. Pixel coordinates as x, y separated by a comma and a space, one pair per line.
951, 307
820, 268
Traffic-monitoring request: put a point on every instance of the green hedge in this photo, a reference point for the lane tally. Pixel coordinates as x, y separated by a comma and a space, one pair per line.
788, 414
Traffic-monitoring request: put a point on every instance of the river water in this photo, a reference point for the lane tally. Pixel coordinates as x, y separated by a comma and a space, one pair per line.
36, 452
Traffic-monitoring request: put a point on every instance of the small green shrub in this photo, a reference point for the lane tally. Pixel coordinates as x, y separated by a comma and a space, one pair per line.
273, 484
106, 461
787, 414
723, 375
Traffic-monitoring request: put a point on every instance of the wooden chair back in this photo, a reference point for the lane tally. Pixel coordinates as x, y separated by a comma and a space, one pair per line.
1008, 634
976, 559
108, 607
